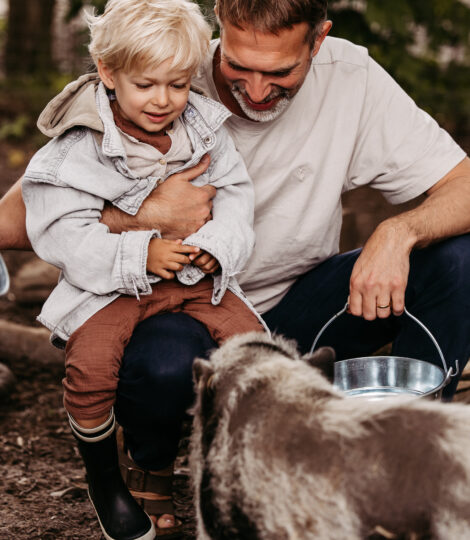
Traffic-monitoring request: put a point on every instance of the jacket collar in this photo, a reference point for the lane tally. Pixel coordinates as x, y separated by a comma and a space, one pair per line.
76, 106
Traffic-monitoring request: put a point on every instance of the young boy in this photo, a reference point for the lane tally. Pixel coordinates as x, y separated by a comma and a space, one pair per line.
150, 126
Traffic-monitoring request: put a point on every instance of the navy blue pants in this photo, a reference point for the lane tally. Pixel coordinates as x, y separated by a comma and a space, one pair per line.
155, 388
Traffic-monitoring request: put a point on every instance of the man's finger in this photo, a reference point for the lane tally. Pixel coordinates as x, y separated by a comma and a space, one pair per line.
211, 191
398, 302
383, 306
355, 303
197, 170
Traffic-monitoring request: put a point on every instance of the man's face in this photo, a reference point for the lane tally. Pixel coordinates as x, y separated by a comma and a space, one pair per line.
264, 71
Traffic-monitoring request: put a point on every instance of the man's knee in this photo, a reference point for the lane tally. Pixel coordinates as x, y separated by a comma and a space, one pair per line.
158, 359
448, 262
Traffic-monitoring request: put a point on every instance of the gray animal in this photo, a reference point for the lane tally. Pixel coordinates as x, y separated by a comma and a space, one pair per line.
278, 453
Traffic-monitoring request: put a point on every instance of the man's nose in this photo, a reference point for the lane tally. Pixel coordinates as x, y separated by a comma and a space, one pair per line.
258, 87
160, 97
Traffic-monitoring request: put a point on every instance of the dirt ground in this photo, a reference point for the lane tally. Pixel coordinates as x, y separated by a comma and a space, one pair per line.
42, 485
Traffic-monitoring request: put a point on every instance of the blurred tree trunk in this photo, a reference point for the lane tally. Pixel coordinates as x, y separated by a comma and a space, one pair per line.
28, 47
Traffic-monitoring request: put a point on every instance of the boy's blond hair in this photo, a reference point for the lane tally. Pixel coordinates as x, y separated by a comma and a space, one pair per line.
136, 34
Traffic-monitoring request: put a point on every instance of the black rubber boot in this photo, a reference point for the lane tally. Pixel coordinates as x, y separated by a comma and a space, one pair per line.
120, 517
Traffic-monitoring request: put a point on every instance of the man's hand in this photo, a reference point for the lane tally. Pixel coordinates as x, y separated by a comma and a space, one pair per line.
12, 220
206, 262
176, 208
165, 257
380, 275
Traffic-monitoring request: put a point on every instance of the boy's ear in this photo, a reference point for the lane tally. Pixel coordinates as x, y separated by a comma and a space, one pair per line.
324, 360
106, 75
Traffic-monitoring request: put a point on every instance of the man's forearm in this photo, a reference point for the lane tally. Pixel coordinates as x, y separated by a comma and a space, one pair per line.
444, 213
12, 220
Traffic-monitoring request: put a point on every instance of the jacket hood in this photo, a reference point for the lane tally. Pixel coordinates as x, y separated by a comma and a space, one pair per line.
74, 106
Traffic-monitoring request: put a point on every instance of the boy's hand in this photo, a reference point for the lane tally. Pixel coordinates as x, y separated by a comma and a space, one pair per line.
165, 257
206, 262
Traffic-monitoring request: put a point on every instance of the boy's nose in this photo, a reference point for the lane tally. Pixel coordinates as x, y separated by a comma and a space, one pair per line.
160, 97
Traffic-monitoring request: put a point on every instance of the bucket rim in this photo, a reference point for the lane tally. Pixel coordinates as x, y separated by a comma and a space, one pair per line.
435, 391
392, 357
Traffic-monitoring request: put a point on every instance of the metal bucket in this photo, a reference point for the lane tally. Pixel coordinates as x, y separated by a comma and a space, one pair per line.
4, 277
379, 377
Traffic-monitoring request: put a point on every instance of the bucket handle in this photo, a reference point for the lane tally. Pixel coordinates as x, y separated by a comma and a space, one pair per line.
448, 371
4, 275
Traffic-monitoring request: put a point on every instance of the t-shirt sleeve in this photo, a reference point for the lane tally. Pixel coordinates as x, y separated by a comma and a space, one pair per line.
400, 149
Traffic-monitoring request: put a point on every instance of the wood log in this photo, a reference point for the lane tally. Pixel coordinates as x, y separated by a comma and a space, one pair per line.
34, 282
19, 341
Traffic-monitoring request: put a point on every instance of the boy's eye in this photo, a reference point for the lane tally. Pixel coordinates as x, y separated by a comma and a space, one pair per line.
179, 86
143, 85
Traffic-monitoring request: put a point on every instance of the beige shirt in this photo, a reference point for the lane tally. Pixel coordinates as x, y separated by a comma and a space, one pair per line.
145, 160
349, 125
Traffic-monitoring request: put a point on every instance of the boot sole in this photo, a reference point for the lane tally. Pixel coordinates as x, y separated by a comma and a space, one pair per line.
149, 535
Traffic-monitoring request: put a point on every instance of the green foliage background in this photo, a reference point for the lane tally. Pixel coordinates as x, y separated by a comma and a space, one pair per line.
407, 37
389, 30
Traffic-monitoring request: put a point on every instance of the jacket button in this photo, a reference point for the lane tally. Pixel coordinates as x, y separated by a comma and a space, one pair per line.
208, 140
162, 161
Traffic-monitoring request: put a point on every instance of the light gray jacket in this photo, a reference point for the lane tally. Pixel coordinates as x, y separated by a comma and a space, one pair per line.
69, 180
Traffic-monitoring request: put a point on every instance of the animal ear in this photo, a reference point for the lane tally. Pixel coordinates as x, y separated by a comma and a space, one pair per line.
202, 370
324, 360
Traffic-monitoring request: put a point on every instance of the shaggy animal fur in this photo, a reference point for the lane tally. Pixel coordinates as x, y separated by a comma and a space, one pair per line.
277, 452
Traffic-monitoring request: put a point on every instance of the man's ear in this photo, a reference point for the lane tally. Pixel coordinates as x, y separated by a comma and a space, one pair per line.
324, 360
326, 27
202, 371
106, 74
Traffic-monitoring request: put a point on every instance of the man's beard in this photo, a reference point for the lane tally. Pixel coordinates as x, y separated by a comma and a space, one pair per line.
284, 96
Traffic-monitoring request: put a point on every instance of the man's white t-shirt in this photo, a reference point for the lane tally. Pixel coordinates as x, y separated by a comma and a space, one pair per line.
349, 125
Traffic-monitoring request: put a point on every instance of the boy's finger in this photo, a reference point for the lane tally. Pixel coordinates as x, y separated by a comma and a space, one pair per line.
165, 274
211, 267
174, 266
180, 258
202, 259
186, 249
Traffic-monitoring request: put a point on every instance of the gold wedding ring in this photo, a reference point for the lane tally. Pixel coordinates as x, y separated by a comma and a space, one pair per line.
383, 307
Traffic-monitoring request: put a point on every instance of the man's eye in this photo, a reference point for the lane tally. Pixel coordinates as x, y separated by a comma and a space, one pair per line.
236, 67
280, 74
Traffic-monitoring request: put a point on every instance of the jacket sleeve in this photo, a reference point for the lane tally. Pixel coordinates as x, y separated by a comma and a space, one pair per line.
64, 229
229, 236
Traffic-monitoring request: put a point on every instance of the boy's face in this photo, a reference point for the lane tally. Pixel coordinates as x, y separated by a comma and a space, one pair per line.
151, 98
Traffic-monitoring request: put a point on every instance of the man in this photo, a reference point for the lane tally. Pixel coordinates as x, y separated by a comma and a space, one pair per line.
313, 117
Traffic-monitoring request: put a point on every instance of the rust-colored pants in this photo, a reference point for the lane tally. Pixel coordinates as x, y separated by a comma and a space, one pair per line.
94, 351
